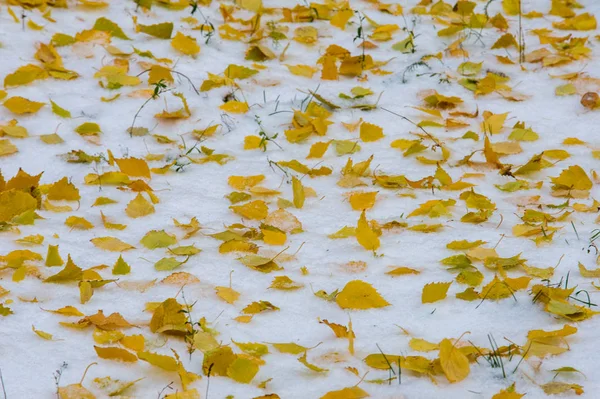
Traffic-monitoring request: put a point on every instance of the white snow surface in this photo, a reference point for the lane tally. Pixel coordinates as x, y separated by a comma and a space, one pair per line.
28, 362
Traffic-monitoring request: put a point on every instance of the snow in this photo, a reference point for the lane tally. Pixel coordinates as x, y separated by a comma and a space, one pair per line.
27, 362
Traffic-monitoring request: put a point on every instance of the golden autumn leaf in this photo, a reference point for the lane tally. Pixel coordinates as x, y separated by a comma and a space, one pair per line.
133, 167
115, 353
185, 44
360, 295
227, 294
75, 391
454, 363
164, 362
434, 292
508, 393
139, 207
298, 191
365, 235
111, 244
302, 359
235, 107
256, 210
20, 105
347, 393
361, 201
370, 132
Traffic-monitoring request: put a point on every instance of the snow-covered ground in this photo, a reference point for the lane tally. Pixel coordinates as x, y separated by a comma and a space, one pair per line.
187, 183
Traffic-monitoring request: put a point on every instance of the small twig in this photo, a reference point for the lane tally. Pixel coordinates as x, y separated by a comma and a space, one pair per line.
575, 229
177, 73
2, 383
168, 386
208, 379
57, 375
386, 360
436, 141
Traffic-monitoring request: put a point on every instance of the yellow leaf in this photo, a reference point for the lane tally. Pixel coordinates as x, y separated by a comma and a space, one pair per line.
493, 123
370, 132
133, 342
330, 71
588, 273
114, 387
235, 107
162, 30
242, 370
341, 18
252, 142
227, 294
111, 244
454, 363
422, 345
253, 348
290, 348
164, 362
121, 267
75, 391
114, 321
20, 105
104, 201
85, 291
302, 70
285, 283
400, 271
259, 307
354, 392
187, 394
298, 191
365, 235
139, 207
133, 167
25, 75
434, 292
361, 201
317, 150
360, 295
67, 311
158, 239
7, 148
88, 129
244, 319
218, 361
302, 359
306, 35
182, 113
244, 182
256, 210
508, 393
76, 222
14, 202
273, 235
106, 25
115, 353
42, 334
169, 318
109, 225
185, 44
36, 239
573, 178
580, 22
104, 337
238, 72
63, 190
555, 388
250, 5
